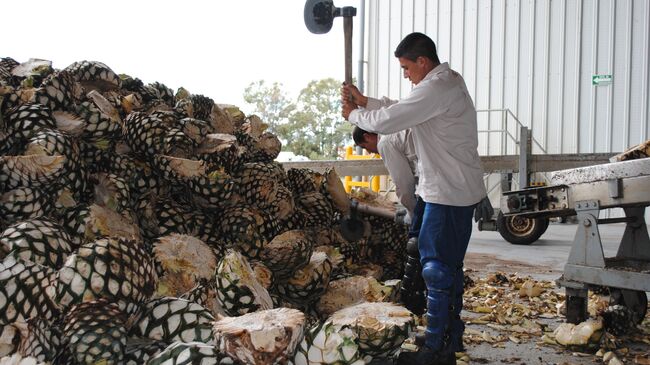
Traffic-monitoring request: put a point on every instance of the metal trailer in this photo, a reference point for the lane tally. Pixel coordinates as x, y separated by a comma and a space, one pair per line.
585, 192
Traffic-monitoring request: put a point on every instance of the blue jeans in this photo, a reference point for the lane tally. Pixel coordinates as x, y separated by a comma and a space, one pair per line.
442, 242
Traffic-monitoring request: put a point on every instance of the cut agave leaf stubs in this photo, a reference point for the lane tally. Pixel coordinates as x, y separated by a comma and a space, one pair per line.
9, 339
254, 126
221, 121
202, 106
88, 223
325, 344
26, 290
157, 91
172, 319
241, 228
266, 148
287, 253
304, 180
178, 144
113, 192
53, 142
27, 119
257, 184
205, 294
214, 189
39, 240
7, 64
98, 124
33, 171
182, 353
333, 190
196, 129
263, 337
94, 75
39, 339
140, 350
112, 268
59, 91
95, 332
281, 204
308, 283
238, 290
145, 135
34, 67
316, 210
381, 327
179, 170
185, 260
25, 203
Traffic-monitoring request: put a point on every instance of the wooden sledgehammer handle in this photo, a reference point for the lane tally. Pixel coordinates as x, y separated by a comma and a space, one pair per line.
370, 210
347, 33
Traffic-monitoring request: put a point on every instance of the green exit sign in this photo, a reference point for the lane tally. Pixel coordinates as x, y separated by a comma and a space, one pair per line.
601, 80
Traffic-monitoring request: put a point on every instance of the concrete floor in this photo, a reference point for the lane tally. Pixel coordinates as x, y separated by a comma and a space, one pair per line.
543, 260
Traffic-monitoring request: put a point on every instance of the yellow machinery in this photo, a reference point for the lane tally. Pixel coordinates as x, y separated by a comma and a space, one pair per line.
373, 181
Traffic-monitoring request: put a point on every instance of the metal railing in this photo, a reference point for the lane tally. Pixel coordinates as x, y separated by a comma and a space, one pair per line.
510, 142
506, 133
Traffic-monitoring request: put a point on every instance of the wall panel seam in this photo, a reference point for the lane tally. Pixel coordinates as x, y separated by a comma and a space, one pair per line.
628, 75
612, 65
561, 56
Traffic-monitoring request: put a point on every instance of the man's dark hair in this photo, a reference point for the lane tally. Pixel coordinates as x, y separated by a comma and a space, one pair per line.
357, 135
417, 45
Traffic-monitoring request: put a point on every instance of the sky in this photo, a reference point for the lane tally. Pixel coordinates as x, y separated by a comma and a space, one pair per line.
210, 47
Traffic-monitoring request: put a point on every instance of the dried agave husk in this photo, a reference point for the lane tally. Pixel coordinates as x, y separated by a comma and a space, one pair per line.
568, 334
530, 289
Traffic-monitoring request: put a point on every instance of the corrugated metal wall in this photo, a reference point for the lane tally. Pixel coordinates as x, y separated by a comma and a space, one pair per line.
534, 57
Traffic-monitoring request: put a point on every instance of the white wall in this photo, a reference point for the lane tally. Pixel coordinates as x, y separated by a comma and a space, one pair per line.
534, 57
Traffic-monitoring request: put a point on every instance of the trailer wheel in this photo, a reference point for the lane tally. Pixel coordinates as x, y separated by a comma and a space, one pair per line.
635, 300
520, 230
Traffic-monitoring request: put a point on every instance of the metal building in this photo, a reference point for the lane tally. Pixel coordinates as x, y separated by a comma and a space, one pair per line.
575, 71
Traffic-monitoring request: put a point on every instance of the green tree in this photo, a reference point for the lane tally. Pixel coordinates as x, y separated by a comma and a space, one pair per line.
271, 104
314, 126
318, 120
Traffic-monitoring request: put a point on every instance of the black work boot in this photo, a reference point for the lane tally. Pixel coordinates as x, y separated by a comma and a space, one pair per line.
458, 346
413, 290
426, 356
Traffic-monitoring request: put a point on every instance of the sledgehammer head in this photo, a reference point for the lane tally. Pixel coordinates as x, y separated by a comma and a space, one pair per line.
320, 14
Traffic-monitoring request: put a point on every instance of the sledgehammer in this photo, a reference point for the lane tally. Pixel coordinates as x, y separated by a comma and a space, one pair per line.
319, 16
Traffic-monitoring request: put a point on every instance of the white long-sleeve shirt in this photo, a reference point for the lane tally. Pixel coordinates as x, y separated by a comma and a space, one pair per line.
398, 153
442, 119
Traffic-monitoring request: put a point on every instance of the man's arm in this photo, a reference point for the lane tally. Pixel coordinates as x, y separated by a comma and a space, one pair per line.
418, 107
392, 152
353, 99
374, 104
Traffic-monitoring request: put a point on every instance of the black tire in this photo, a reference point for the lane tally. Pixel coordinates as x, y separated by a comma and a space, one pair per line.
638, 302
520, 230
